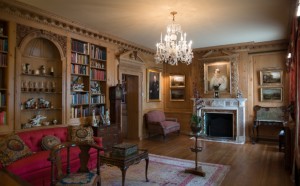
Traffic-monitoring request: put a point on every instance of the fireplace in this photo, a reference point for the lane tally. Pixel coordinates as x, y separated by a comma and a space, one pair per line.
224, 118
219, 125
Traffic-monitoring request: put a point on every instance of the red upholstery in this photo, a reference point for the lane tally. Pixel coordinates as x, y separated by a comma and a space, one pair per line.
36, 169
156, 122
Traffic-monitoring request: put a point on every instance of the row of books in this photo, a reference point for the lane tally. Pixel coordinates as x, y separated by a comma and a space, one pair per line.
98, 53
78, 46
3, 118
80, 59
77, 112
4, 45
80, 98
98, 99
79, 69
2, 99
3, 59
98, 75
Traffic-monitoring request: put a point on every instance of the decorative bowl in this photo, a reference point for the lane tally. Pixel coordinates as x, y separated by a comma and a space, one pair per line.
45, 123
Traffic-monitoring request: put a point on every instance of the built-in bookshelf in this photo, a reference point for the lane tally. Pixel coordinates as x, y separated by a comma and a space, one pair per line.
3, 72
39, 85
79, 79
98, 78
88, 80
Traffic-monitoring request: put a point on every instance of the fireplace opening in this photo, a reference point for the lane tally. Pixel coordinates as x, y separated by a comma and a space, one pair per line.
219, 125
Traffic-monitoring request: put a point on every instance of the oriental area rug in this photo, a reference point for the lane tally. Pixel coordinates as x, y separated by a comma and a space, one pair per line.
164, 171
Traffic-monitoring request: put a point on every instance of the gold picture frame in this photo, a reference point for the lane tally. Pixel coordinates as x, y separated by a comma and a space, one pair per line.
271, 94
177, 81
177, 94
270, 77
153, 85
217, 75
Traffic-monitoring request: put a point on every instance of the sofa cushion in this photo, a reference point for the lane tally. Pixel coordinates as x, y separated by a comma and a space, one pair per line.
33, 138
49, 141
82, 134
12, 148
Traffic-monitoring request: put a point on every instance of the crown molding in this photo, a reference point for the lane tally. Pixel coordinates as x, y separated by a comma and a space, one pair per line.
31, 13
250, 47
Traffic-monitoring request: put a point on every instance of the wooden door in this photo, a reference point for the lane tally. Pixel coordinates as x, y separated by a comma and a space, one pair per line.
132, 107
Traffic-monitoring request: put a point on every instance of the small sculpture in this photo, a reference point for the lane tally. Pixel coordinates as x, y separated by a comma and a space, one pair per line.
43, 103
239, 94
95, 88
107, 118
29, 103
95, 122
77, 84
43, 69
35, 122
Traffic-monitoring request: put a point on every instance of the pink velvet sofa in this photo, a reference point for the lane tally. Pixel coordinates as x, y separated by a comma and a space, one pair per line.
36, 169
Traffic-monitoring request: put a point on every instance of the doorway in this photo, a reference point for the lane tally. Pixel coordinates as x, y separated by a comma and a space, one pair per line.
130, 107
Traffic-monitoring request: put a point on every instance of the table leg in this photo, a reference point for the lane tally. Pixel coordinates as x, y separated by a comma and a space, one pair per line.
146, 170
123, 175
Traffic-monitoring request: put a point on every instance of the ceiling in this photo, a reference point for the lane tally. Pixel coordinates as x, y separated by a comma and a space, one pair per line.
206, 22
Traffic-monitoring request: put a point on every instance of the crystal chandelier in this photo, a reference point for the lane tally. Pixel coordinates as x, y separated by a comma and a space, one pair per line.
171, 50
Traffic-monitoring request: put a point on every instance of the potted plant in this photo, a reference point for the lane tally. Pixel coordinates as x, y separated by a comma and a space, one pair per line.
196, 124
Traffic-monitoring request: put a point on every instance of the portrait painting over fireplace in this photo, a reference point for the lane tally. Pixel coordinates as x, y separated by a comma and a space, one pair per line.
217, 77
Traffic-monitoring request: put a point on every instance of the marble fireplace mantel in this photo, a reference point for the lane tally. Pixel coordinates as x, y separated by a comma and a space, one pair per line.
236, 105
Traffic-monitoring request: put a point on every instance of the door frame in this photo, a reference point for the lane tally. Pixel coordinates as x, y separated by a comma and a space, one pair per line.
135, 68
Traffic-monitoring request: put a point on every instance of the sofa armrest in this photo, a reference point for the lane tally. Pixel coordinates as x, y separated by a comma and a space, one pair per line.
98, 141
171, 119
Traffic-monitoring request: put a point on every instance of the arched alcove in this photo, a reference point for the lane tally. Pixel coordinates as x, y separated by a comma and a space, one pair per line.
40, 82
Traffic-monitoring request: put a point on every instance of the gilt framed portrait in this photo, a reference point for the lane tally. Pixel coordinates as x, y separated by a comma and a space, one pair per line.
177, 81
271, 77
217, 76
271, 94
153, 85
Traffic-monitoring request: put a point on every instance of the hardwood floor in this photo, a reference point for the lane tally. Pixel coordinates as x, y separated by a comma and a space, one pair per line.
250, 165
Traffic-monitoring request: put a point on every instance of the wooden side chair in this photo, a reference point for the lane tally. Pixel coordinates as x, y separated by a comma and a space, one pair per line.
62, 167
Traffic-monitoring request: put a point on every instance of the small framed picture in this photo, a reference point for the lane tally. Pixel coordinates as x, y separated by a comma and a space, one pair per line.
271, 77
177, 81
177, 94
268, 94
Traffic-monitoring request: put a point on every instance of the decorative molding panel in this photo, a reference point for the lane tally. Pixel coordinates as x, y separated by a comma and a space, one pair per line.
23, 31
31, 13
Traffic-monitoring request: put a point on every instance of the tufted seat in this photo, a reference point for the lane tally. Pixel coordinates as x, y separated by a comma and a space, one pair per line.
156, 122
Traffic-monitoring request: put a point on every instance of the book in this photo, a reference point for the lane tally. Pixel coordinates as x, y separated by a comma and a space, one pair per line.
124, 149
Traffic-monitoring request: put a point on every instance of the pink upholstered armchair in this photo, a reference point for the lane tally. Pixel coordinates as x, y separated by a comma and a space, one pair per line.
157, 123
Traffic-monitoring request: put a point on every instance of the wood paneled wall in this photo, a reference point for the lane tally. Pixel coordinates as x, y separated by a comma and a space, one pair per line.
252, 57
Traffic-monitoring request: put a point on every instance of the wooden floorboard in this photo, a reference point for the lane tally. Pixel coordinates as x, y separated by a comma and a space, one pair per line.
250, 165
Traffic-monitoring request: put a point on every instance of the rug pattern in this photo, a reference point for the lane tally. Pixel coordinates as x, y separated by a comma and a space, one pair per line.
164, 171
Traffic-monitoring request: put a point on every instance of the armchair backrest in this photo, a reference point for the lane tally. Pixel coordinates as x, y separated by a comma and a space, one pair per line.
62, 152
154, 116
